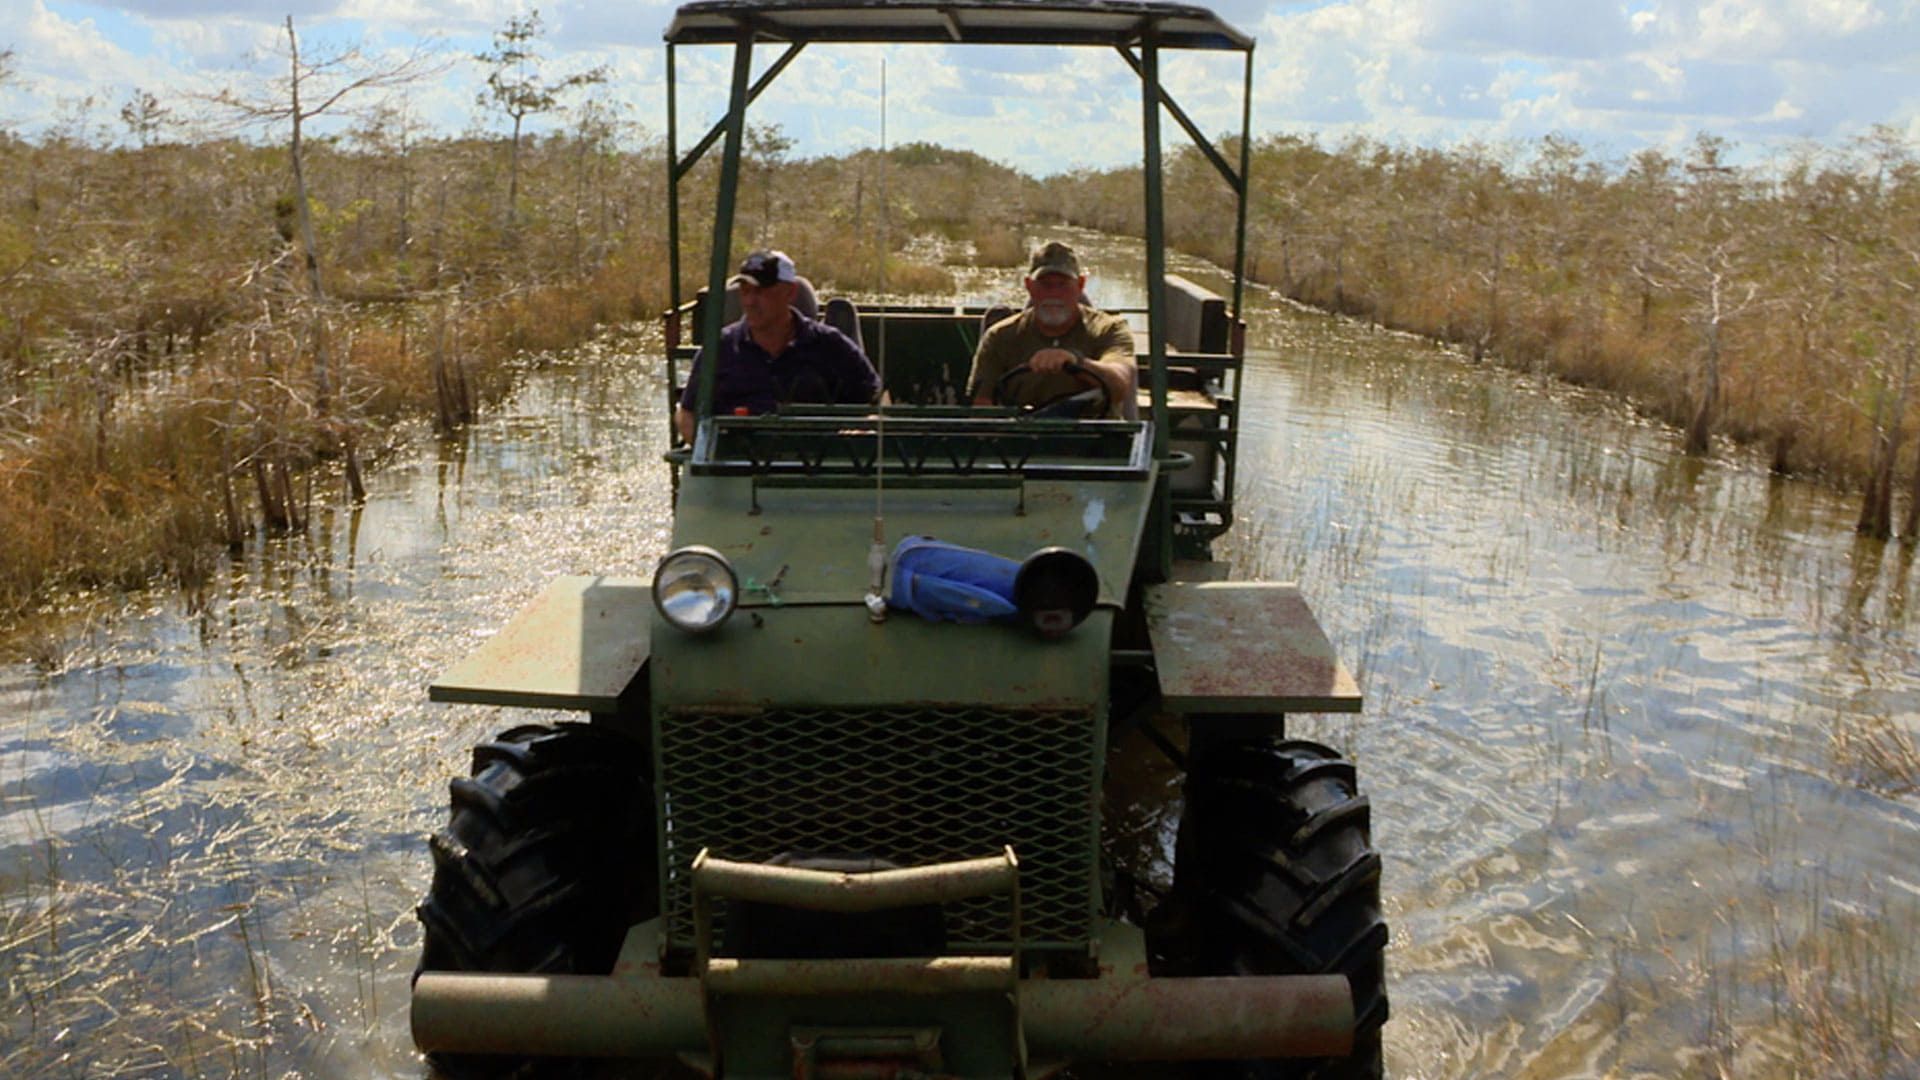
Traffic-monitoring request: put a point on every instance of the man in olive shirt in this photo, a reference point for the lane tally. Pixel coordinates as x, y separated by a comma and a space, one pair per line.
1057, 330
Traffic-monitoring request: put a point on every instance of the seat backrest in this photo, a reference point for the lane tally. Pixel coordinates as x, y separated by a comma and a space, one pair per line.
844, 317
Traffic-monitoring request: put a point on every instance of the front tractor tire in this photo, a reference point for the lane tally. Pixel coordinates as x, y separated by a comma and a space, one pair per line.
1275, 874
546, 861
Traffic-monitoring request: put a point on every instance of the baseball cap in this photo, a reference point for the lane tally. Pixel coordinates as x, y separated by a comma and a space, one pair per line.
765, 268
1054, 258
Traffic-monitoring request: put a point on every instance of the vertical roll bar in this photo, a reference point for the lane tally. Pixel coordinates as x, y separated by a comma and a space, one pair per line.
673, 186
1156, 232
1245, 190
1161, 543
723, 221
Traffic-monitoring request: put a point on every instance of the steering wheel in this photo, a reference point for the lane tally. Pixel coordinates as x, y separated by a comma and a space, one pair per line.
1093, 402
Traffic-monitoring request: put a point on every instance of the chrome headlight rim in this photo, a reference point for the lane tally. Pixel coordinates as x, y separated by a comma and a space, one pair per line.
727, 597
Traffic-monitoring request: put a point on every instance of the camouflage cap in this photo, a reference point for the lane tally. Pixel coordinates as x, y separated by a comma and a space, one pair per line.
1054, 258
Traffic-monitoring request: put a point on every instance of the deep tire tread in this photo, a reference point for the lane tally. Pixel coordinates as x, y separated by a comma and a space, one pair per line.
1276, 874
546, 859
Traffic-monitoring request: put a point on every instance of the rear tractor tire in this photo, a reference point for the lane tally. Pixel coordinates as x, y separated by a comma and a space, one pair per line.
1275, 874
547, 860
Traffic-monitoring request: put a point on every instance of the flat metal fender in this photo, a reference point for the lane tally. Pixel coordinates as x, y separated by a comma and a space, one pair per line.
1114, 1019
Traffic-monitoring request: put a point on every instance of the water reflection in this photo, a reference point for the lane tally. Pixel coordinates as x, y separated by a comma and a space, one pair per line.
1633, 734
1602, 679
210, 833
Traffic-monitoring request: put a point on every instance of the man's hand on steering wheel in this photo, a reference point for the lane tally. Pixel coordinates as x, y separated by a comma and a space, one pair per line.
1093, 402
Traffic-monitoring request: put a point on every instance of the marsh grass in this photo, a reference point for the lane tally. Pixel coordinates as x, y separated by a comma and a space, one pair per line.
1001, 246
1811, 984
1552, 272
156, 937
1876, 752
234, 442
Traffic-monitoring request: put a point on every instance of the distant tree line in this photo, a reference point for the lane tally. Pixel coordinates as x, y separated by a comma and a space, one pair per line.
1778, 305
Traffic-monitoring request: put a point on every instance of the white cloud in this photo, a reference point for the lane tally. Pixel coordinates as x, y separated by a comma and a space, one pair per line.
47, 44
1623, 73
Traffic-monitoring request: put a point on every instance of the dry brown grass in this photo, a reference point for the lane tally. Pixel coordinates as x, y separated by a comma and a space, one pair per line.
1001, 246
90, 499
917, 278
1835, 986
1878, 752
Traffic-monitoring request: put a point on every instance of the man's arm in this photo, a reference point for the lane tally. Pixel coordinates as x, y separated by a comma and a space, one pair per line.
989, 364
858, 381
1115, 365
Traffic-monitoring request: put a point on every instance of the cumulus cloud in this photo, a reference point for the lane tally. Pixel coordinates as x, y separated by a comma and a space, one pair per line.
1621, 73
48, 44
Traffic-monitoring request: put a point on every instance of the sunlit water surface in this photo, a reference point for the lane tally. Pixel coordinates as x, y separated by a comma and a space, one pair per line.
1621, 708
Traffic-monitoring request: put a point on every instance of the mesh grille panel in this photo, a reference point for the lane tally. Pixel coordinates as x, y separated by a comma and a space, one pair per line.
911, 786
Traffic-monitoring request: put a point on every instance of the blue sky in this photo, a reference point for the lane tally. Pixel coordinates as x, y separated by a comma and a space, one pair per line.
1768, 75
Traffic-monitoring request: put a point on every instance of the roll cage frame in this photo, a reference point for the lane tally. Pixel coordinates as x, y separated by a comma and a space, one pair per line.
1137, 29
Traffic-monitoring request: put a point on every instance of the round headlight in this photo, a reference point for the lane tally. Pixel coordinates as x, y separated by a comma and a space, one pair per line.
1055, 589
695, 589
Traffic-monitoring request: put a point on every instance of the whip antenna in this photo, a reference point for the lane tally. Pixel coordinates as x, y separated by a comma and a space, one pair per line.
877, 554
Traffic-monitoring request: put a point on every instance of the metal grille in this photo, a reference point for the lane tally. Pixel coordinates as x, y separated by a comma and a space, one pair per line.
911, 786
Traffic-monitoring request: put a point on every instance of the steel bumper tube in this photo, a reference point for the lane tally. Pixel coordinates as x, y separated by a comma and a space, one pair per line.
1114, 1019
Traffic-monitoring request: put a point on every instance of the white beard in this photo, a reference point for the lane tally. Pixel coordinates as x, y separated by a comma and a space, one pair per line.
1053, 316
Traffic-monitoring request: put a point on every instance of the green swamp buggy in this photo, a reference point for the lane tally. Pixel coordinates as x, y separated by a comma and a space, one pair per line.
797, 833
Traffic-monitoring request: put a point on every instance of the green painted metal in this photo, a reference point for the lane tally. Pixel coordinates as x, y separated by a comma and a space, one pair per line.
673, 184
720, 258
947, 22
1160, 544
1113, 1019
804, 724
557, 1015
913, 784
1150, 101
1200, 141
683, 166
1245, 192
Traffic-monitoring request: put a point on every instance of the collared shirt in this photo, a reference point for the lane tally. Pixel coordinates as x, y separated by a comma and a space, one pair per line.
820, 366
1013, 341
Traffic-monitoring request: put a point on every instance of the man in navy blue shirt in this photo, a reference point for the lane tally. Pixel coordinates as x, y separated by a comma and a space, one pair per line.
775, 355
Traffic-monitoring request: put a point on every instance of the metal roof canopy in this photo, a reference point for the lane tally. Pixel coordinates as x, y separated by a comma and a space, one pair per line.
994, 22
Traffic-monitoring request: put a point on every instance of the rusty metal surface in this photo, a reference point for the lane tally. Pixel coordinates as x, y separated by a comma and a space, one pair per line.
570, 1015
1249, 647
577, 645
1236, 1017
1114, 1019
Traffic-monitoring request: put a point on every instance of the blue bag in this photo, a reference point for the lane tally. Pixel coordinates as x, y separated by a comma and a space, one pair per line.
947, 582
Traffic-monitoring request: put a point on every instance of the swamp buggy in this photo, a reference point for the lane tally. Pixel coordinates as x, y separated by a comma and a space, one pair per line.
804, 831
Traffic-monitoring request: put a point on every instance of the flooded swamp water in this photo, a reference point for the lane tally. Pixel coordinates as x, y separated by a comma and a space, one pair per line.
1638, 738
